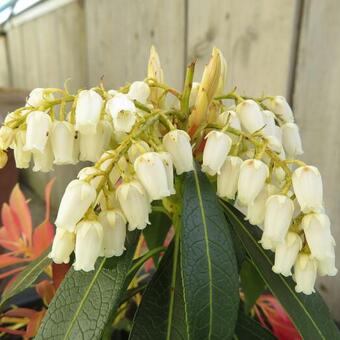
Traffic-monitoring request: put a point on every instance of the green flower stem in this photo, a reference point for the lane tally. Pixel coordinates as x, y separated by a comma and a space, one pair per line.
187, 89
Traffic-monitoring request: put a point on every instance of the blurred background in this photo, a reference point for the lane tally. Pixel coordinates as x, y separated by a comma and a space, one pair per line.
287, 47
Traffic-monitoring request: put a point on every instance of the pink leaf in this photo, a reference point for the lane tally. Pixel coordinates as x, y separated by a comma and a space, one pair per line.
48, 190
8, 260
20, 207
10, 223
42, 237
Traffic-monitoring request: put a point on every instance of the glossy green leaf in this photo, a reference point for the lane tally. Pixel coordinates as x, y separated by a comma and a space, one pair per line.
308, 312
249, 329
156, 318
27, 277
86, 300
155, 236
252, 284
208, 263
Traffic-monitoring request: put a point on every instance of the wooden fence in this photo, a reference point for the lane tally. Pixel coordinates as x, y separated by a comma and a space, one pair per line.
287, 47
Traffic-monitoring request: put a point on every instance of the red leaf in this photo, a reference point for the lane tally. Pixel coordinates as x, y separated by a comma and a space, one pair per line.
58, 273
34, 324
11, 331
42, 237
46, 291
48, 190
18, 204
10, 223
8, 260
20, 312
11, 272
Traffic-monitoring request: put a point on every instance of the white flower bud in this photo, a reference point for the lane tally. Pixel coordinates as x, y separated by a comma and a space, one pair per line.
326, 266
137, 149
215, 152
277, 219
135, 204
151, 172
318, 235
43, 161
227, 179
22, 157
123, 112
177, 143
291, 139
193, 93
274, 144
114, 228
38, 128
77, 198
286, 254
253, 174
89, 240
256, 209
269, 121
229, 117
281, 108
62, 139
62, 247
139, 91
169, 168
92, 145
88, 109
307, 185
7, 136
305, 274
84, 173
250, 115
36, 97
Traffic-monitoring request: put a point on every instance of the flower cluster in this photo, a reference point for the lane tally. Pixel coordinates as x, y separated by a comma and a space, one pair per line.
138, 135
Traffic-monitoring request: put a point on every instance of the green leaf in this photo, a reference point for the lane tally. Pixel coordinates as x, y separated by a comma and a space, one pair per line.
208, 263
27, 277
309, 313
249, 329
252, 284
156, 234
86, 300
152, 320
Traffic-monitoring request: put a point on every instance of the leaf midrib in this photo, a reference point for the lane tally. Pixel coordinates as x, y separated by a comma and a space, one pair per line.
206, 240
285, 283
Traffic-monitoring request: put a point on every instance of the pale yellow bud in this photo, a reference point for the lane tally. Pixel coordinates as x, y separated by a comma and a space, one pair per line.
155, 71
207, 90
3, 159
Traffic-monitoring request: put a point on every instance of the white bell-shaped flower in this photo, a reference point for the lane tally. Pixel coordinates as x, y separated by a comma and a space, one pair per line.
169, 168
77, 198
89, 241
326, 266
63, 246
277, 219
114, 228
7, 136
215, 152
286, 254
305, 270
90, 147
193, 93
22, 157
137, 149
88, 171
43, 161
274, 144
135, 204
229, 117
250, 115
317, 229
281, 108
62, 139
139, 91
88, 109
256, 209
38, 129
291, 140
106, 129
151, 172
269, 121
253, 174
36, 97
123, 112
307, 185
227, 179
177, 143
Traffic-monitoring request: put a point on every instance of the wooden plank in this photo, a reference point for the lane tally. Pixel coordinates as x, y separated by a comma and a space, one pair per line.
257, 40
4, 74
317, 107
121, 32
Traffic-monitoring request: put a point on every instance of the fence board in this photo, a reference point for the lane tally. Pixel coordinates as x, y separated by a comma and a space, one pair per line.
317, 107
4, 71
